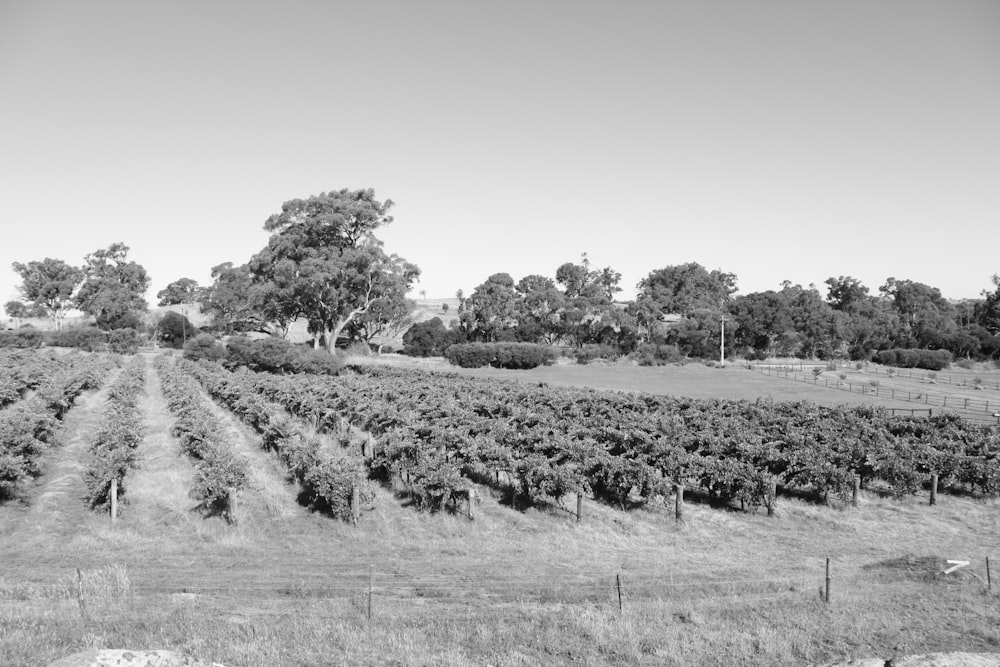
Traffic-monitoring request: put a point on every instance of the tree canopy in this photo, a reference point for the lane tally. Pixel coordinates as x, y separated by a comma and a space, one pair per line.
49, 284
113, 288
323, 263
182, 290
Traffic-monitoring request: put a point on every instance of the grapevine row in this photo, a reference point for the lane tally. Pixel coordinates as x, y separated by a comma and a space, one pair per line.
220, 471
29, 427
554, 441
114, 445
328, 481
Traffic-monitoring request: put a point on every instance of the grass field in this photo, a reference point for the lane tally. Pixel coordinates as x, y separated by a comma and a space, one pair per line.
287, 587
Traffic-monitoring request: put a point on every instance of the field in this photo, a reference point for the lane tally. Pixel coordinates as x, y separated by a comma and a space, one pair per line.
288, 586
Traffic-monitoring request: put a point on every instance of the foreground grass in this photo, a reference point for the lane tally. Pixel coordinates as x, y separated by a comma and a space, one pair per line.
511, 588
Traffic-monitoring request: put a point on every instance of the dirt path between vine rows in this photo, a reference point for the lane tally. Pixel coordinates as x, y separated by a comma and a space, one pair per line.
157, 489
61, 490
269, 493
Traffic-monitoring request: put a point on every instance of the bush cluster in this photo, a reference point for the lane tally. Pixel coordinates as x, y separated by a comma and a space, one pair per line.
500, 355
90, 339
427, 339
588, 353
23, 338
651, 354
932, 360
124, 341
275, 355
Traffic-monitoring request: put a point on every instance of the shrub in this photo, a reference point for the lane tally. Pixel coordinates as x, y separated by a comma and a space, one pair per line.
587, 353
204, 346
173, 329
277, 355
426, 339
123, 341
90, 339
317, 362
500, 355
470, 355
24, 338
933, 360
652, 354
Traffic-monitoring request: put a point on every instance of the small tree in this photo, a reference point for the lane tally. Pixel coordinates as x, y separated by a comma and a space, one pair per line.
49, 285
113, 288
173, 330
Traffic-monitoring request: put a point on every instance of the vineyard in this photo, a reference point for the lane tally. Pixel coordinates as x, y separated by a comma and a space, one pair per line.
437, 434
572, 496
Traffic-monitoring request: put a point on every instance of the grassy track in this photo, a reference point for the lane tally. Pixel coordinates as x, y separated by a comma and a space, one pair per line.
510, 588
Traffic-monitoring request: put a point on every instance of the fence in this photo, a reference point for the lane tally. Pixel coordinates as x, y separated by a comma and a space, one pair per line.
982, 410
371, 592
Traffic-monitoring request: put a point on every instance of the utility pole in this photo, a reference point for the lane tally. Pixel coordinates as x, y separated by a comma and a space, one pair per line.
722, 344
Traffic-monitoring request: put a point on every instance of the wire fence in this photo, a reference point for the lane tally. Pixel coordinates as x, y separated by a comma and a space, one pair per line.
980, 410
372, 591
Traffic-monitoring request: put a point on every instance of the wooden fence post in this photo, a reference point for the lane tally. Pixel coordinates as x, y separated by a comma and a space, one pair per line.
679, 503
579, 506
772, 497
79, 593
934, 483
826, 597
355, 504
114, 499
472, 502
856, 491
371, 570
231, 506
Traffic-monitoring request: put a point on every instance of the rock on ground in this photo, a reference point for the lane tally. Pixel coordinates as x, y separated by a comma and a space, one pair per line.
125, 658
927, 660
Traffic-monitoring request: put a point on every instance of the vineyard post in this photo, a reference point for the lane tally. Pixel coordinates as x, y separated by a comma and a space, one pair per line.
856, 491
989, 581
772, 497
371, 570
826, 597
114, 499
679, 503
79, 593
934, 484
618, 584
579, 506
472, 502
355, 504
231, 505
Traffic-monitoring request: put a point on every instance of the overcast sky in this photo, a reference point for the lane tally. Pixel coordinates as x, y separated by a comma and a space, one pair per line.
789, 140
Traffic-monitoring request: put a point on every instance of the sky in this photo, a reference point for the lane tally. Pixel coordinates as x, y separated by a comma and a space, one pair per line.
795, 140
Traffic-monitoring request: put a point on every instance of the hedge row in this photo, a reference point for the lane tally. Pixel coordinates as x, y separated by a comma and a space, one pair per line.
90, 339
500, 355
267, 355
933, 360
118, 436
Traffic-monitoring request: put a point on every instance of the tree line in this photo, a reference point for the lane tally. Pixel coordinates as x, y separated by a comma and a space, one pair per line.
324, 265
683, 310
